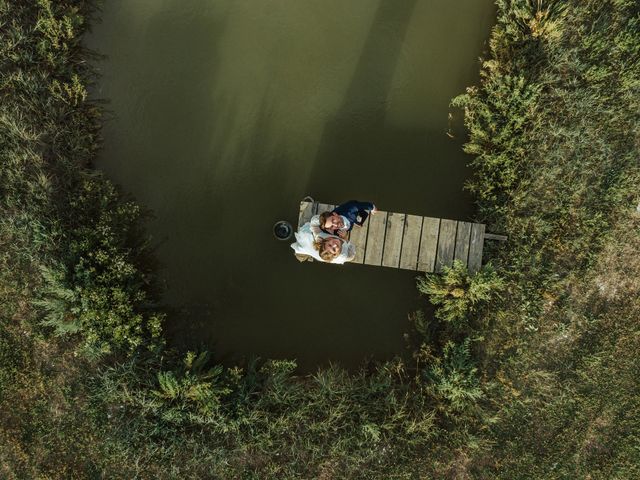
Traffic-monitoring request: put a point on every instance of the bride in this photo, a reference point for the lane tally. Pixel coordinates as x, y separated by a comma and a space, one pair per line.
335, 249
322, 247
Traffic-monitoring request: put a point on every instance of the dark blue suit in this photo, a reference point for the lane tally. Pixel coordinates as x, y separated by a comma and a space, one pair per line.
354, 209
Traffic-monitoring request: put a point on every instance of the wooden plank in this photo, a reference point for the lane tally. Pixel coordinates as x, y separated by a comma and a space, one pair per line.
359, 240
411, 242
393, 240
446, 244
493, 236
306, 212
303, 258
324, 207
428, 244
375, 238
462, 242
475, 247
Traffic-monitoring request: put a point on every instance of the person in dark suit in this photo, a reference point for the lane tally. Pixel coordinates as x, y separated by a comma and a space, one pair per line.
341, 219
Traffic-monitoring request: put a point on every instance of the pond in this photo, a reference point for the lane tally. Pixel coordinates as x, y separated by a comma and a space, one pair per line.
224, 114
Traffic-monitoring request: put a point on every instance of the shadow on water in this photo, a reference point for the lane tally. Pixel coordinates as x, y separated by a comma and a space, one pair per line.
368, 158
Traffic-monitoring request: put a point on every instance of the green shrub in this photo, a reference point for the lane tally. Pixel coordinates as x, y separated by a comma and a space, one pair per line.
497, 122
453, 378
456, 293
102, 292
192, 394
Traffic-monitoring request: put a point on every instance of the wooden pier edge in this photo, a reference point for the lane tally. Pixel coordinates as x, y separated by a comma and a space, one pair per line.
411, 242
493, 236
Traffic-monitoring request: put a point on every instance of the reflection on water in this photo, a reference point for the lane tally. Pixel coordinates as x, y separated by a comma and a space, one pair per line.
227, 113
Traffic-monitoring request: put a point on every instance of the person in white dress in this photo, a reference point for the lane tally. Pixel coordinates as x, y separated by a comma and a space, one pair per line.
322, 246
334, 249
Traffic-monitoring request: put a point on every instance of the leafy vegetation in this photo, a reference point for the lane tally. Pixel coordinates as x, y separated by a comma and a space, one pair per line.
526, 371
554, 129
457, 293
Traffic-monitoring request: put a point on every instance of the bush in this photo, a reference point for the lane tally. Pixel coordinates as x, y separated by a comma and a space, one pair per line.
452, 377
457, 293
102, 291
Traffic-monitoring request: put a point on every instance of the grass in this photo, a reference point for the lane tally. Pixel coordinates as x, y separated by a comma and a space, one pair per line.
554, 130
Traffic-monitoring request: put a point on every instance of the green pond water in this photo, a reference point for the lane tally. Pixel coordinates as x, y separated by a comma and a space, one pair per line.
223, 114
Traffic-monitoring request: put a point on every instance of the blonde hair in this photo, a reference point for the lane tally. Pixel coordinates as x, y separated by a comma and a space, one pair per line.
324, 254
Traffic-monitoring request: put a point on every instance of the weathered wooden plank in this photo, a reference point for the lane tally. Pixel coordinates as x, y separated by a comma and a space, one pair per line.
493, 236
393, 240
475, 247
428, 244
359, 240
375, 238
462, 242
411, 242
324, 207
306, 212
446, 244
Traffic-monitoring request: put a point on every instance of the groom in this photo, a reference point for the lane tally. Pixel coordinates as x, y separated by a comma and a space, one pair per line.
341, 219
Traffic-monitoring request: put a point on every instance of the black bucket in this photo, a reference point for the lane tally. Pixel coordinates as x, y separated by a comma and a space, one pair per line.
282, 230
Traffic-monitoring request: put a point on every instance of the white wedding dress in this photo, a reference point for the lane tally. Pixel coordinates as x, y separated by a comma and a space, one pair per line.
304, 245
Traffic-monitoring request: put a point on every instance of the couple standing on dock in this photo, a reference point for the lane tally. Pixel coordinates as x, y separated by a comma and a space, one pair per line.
325, 236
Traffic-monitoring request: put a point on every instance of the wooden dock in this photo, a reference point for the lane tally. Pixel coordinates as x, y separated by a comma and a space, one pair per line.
411, 242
